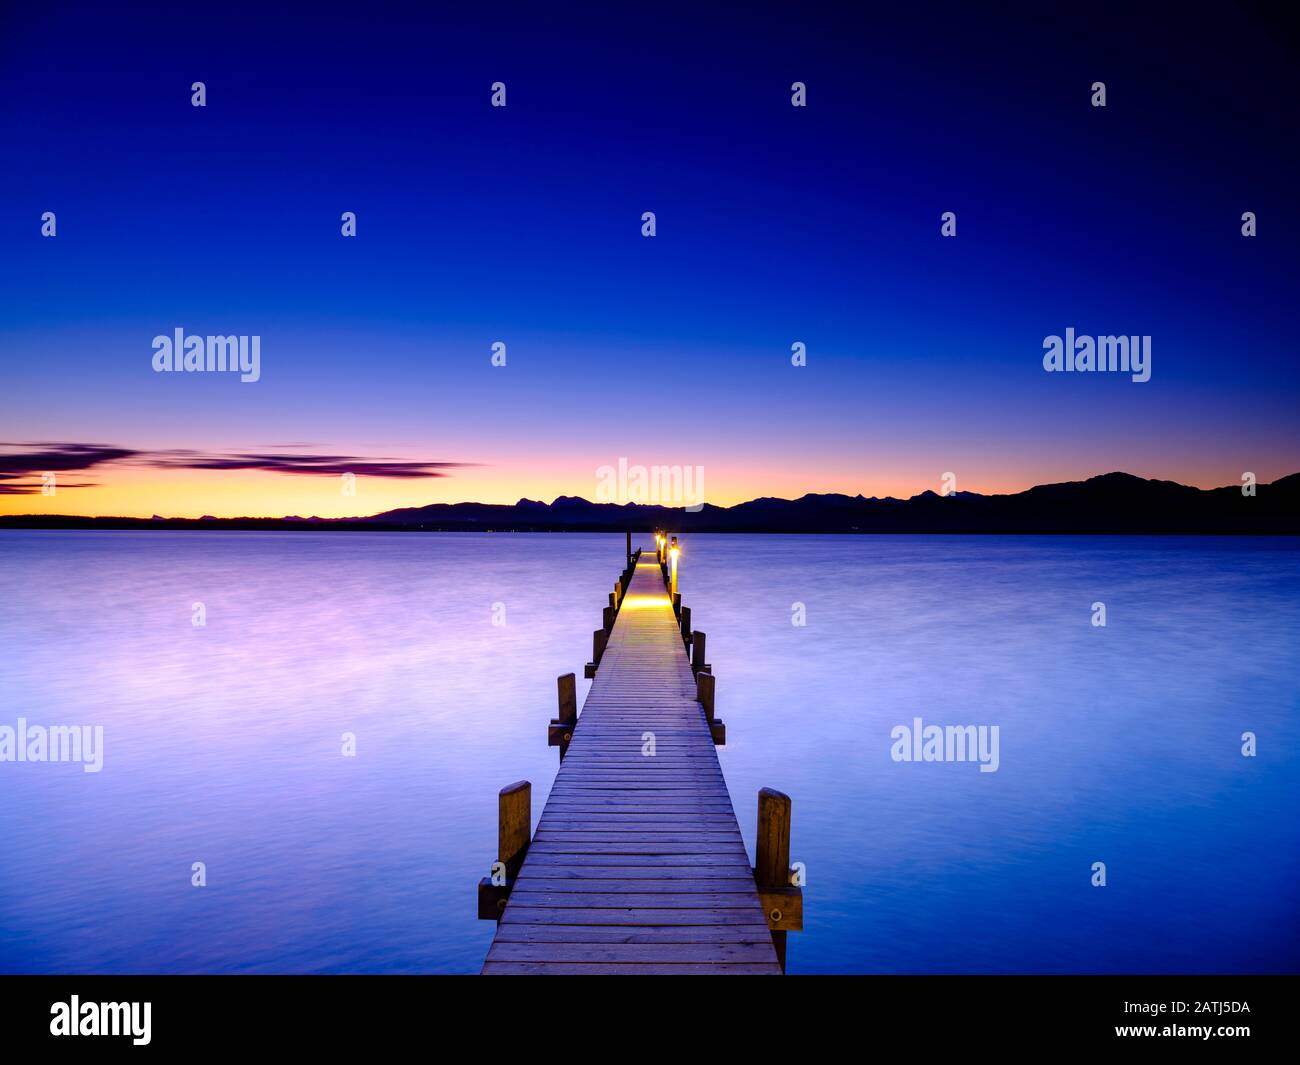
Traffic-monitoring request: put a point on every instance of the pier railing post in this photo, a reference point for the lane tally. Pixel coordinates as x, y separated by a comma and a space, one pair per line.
686, 625
628, 555
704, 693
514, 831
782, 901
697, 653
561, 728
567, 692
598, 640
673, 552
515, 825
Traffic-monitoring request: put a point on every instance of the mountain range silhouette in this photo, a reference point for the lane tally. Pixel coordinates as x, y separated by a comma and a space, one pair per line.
1109, 503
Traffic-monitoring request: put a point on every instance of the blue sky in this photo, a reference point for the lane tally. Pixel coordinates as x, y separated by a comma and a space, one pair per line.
522, 224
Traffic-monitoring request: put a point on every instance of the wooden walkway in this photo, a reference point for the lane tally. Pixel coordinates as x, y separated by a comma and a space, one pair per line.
637, 865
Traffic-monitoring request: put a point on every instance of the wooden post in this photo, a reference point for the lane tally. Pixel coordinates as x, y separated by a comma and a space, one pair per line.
697, 651
515, 825
772, 860
613, 600
673, 553
567, 690
561, 728
607, 619
704, 691
629, 547
686, 625
514, 830
598, 640
782, 902
677, 603
618, 593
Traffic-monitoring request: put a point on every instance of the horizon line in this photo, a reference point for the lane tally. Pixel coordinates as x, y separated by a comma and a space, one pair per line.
691, 508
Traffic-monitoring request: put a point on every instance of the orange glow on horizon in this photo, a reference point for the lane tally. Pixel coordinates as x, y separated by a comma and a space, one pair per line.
143, 492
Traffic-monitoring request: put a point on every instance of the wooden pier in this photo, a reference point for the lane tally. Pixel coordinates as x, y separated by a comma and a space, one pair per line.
638, 865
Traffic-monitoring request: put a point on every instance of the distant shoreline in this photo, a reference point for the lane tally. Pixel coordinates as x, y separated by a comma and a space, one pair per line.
1114, 504
274, 525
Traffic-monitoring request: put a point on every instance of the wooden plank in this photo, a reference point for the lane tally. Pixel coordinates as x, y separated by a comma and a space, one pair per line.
683, 882
650, 900
630, 952
596, 873
573, 861
605, 916
538, 933
635, 969
705, 849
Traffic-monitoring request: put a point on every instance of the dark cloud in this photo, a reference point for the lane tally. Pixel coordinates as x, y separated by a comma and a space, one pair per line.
300, 463
19, 461
31, 488
57, 456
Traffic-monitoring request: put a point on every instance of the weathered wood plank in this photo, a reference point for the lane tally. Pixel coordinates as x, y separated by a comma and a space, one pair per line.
650, 900
573, 861
591, 876
633, 969
540, 933
631, 916
630, 952
538, 885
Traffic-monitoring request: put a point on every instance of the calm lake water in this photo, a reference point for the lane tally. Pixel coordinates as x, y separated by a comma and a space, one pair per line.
222, 743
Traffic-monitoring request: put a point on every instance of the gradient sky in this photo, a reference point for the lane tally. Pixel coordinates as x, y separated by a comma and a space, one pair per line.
522, 225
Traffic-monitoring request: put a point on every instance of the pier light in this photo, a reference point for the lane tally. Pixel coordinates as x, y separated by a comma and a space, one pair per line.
673, 552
